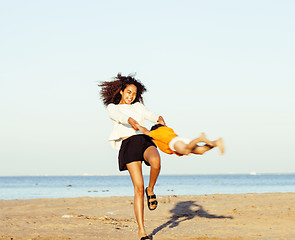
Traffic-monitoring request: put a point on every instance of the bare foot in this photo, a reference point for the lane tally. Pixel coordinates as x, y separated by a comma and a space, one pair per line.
219, 144
204, 139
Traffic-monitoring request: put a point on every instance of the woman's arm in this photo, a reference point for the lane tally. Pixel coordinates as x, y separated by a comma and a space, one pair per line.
133, 123
152, 117
116, 115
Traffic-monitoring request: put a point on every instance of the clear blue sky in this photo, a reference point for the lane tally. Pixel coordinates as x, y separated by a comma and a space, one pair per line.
225, 68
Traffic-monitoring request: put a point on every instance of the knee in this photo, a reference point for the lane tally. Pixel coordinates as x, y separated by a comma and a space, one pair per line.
156, 164
200, 152
139, 190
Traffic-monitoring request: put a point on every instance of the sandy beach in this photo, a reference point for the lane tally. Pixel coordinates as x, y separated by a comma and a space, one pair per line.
204, 217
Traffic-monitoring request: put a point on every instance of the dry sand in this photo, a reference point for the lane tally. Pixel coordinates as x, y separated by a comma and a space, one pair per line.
205, 217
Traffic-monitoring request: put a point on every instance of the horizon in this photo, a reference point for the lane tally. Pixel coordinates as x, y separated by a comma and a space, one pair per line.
185, 174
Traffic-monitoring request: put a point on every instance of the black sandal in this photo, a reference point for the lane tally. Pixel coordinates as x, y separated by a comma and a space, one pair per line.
149, 203
144, 238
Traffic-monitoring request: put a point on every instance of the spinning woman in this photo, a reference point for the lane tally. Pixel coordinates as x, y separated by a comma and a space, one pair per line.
123, 98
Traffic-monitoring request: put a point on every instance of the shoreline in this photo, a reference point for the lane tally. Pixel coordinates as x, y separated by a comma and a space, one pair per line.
187, 217
131, 196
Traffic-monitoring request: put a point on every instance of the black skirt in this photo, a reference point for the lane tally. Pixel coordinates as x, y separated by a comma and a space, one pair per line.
132, 149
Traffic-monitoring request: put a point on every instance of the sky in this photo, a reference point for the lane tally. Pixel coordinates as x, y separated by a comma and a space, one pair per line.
225, 68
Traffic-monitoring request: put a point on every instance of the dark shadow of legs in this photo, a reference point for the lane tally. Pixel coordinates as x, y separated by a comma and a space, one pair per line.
183, 211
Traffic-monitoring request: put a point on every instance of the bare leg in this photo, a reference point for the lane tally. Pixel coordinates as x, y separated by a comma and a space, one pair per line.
135, 172
194, 142
202, 149
185, 149
192, 147
151, 155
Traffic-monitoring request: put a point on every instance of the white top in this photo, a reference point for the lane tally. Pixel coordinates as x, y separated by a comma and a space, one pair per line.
120, 113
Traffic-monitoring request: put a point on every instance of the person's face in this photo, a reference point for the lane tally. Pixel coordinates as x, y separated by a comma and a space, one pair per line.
129, 94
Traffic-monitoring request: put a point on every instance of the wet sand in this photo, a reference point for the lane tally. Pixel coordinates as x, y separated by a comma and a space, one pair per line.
204, 217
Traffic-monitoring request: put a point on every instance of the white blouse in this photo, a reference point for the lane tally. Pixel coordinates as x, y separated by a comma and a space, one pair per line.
120, 113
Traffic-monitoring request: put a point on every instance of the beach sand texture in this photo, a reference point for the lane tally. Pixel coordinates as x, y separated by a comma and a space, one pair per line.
203, 217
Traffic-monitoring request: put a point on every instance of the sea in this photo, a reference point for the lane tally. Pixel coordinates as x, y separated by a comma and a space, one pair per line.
33, 187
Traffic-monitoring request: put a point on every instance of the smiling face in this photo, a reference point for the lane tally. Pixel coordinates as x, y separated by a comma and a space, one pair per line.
129, 94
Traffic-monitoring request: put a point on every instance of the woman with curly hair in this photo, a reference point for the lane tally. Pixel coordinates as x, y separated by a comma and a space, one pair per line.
124, 102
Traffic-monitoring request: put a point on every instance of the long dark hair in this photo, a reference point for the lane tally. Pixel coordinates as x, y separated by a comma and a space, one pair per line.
110, 91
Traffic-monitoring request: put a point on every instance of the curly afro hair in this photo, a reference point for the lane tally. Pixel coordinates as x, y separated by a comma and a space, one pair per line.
110, 91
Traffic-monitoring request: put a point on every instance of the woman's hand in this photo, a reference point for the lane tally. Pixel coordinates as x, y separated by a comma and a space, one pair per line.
161, 120
133, 123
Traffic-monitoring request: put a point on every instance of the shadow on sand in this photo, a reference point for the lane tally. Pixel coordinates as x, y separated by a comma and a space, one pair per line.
185, 211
